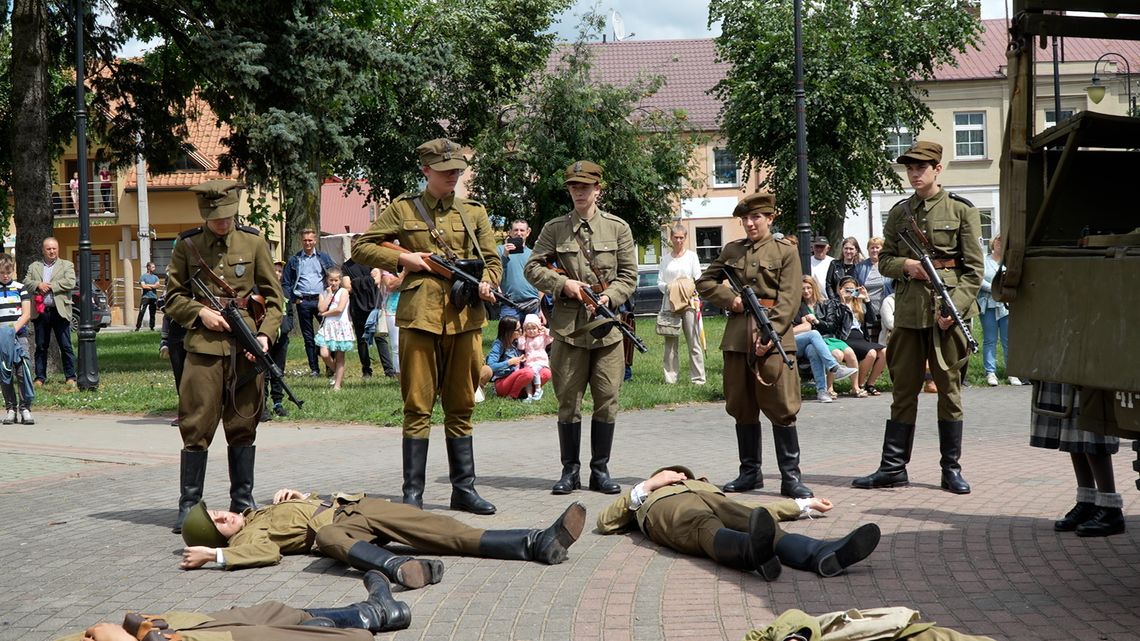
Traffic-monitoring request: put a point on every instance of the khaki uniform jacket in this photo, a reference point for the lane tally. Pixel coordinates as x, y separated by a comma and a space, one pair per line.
858, 625
615, 257
771, 267
425, 299
62, 282
619, 518
240, 258
276, 530
955, 229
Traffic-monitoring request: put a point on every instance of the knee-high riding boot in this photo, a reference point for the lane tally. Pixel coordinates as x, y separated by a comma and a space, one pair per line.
380, 613
461, 461
408, 571
828, 558
748, 446
749, 551
950, 444
415, 466
569, 449
601, 443
787, 443
192, 474
547, 546
241, 458
898, 442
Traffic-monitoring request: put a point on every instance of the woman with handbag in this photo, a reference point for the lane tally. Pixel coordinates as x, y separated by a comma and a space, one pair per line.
680, 308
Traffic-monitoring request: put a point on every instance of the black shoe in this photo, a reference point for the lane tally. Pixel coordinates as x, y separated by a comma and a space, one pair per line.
750, 551
280, 410
748, 449
241, 459
950, 445
569, 449
788, 459
192, 473
408, 571
314, 373
1080, 513
380, 613
461, 464
828, 558
547, 546
601, 444
1106, 522
415, 466
898, 442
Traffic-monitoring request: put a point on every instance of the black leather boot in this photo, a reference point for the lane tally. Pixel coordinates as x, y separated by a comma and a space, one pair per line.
461, 463
748, 446
415, 464
950, 444
898, 442
192, 475
787, 443
380, 613
828, 558
408, 571
1106, 522
601, 442
241, 459
1080, 513
569, 448
547, 546
749, 551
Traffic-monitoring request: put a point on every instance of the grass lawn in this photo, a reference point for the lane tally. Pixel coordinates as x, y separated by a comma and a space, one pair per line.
134, 380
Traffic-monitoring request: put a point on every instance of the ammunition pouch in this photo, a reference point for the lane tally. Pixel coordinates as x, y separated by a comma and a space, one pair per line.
465, 294
149, 627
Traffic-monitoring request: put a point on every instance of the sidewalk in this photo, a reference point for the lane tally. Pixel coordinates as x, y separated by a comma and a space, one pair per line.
89, 500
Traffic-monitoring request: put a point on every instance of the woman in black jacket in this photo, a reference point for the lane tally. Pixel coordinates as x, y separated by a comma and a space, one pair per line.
845, 318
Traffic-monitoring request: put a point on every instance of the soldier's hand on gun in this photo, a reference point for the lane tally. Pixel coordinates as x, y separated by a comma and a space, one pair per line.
107, 632
913, 269
285, 494
262, 340
573, 289
415, 261
737, 306
486, 291
213, 320
945, 322
196, 556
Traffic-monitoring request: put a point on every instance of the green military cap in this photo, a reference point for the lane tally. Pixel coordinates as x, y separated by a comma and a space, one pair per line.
677, 468
218, 198
584, 171
922, 151
199, 528
763, 202
441, 155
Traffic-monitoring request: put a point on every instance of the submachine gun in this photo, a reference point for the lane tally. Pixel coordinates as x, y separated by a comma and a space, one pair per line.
753, 308
245, 337
443, 268
918, 243
592, 300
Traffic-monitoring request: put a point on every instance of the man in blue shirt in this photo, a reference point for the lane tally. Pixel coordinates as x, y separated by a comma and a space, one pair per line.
514, 285
303, 281
148, 282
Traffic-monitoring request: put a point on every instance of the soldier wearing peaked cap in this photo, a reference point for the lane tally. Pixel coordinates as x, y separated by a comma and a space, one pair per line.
755, 377
590, 247
218, 380
440, 322
921, 334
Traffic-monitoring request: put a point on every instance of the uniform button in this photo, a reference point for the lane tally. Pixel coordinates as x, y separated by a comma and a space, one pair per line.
753, 264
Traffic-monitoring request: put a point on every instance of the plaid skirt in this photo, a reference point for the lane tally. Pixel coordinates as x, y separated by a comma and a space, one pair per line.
1063, 434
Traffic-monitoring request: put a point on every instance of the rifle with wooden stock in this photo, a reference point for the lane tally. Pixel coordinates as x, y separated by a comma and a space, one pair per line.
443, 268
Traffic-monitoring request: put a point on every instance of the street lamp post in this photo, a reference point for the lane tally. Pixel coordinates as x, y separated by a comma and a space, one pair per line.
803, 226
88, 366
1096, 90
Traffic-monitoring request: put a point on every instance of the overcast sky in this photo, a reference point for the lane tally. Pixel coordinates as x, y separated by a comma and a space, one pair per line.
670, 19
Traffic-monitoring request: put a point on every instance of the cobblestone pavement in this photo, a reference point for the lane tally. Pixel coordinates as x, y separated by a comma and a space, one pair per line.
88, 501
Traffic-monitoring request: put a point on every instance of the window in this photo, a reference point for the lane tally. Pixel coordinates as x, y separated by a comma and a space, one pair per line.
987, 216
1051, 116
708, 243
898, 141
726, 171
969, 135
160, 252
185, 163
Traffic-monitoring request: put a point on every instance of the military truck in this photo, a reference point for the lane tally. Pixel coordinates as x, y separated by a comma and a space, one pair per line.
1071, 222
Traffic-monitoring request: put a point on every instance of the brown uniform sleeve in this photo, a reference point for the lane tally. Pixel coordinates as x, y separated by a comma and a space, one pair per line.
617, 517
366, 249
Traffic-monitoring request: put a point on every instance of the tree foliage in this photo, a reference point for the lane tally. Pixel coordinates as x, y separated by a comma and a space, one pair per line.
567, 115
863, 61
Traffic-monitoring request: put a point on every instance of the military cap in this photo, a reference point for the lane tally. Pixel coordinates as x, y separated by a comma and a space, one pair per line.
677, 468
218, 199
199, 528
441, 155
922, 151
279, 262
763, 202
820, 240
584, 171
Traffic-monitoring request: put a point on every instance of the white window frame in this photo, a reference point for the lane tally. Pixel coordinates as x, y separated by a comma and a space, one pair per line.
713, 173
899, 149
1052, 123
718, 231
970, 127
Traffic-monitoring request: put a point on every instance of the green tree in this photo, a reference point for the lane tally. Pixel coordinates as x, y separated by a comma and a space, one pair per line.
566, 115
863, 62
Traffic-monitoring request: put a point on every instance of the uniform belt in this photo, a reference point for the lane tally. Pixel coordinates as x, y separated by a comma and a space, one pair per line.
944, 263
308, 296
310, 533
768, 303
240, 302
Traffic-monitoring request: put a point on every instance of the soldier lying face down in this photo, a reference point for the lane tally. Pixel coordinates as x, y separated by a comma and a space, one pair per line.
354, 529
690, 515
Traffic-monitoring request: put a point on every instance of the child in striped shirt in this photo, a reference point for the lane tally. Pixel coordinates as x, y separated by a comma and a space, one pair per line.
15, 312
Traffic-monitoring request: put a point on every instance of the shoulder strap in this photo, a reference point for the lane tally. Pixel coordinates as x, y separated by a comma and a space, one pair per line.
469, 229
433, 230
589, 254
214, 278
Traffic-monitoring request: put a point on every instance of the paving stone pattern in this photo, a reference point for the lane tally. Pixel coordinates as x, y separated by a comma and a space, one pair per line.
88, 501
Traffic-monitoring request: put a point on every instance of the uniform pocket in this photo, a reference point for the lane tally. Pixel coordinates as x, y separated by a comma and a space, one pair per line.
605, 254
944, 235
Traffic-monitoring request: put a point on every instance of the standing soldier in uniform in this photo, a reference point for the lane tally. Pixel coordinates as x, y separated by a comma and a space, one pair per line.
755, 377
921, 334
440, 322
218, 382
590, 248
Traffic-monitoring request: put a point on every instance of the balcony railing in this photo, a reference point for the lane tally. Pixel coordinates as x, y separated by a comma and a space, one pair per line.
102, 199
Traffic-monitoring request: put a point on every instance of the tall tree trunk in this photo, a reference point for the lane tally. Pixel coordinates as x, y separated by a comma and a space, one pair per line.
304, 209
31, 158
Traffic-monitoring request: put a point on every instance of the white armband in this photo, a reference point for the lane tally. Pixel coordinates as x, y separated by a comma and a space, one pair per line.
221, 559
637, 496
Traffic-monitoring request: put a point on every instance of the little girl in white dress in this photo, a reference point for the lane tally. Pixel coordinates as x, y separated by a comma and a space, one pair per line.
336, 336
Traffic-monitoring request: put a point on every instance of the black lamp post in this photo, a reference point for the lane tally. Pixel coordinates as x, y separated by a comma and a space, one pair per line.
803, 225
1096, 90
88, 365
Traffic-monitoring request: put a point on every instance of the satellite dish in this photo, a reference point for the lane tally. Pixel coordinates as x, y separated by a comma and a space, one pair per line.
618, 25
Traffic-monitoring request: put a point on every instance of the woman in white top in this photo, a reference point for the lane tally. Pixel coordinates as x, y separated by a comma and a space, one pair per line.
676, 278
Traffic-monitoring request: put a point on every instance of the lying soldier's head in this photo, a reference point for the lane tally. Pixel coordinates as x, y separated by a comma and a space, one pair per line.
211, 528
